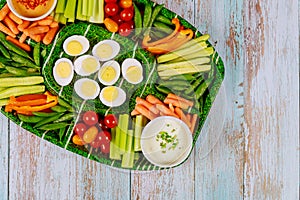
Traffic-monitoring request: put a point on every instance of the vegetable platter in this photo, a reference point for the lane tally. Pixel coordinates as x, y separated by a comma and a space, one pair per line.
94, 75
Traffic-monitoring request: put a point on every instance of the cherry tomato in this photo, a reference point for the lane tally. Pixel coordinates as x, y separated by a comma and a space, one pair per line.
110, 1
126, 14
105, 136
105, 148
90, 135
79, 129
90, 118
111, 9
131, 24
117, 19
102, 125
124, 29
111, 25
110, 121
126, 3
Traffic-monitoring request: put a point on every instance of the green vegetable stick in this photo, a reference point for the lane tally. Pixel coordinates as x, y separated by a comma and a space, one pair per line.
90, 8
79, 15
60, 6
70, 9
138, 132
84, 7
114, 148
128, 157
20, 81
124, 132
21, 90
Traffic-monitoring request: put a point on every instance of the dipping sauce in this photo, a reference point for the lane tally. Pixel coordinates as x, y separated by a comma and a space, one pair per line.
32, 8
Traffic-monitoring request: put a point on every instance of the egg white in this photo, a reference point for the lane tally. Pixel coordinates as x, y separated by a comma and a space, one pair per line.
115, 49
60, 80
117, 102
116, 67
131, 62
78, 65
78, 89
81, 39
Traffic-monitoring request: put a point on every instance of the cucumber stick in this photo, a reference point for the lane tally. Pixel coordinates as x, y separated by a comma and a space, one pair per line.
21, 90
20, 81
183, 64
177, 71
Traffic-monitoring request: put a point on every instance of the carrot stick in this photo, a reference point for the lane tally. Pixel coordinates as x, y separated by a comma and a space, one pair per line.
50, 35
6, 30
38, 30
164, 109
11, 25
46, 21
171, 107
145, 112
3, 12
22, 38
189, 117
24, 46
193, 123
24, 25
182, 116
176, 103
54, 24
148, 105
36, 37
15, 18
174, 96
153, 100
134, 112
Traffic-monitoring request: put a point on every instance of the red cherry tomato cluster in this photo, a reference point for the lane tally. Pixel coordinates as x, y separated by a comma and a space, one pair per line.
95, 131
119, 16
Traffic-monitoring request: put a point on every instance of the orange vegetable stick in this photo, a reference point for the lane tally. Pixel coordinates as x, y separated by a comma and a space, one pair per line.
3, 12
54, 24
193, 123
171, 107
26, 31
153, 100
15, 18
164, 109
46, 21
176, 103
36, 37
24, 25
24, 46
145, 112
38, 30
22, 38
11, 25
50, 35
189, 117
6, 30
134, 112
148, 105
174, 96
182, 116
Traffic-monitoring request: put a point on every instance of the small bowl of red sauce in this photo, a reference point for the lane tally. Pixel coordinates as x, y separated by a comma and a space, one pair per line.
31, 10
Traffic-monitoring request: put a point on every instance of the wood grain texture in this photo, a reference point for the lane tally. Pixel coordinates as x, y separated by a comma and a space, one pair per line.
249, 145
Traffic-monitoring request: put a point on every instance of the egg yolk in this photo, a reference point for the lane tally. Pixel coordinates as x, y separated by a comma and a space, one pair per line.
133, 73
74, 47
89, 65
104, 51
108, 73
63, 69
88, 88
110, 94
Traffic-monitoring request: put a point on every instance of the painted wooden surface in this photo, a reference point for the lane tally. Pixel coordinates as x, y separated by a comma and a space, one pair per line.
248, 148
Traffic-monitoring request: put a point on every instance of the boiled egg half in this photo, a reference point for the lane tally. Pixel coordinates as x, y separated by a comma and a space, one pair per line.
109, 73
86, 65
63, 71
76, 45
112, 96
106, 50
87, 88
132, 70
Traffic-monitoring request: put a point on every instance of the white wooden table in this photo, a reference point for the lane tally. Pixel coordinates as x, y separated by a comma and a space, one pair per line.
249, 146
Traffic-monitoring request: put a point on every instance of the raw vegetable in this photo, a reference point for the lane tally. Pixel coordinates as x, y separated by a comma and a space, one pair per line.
21, 90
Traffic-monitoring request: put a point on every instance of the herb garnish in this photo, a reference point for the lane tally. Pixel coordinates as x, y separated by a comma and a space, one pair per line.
166, 139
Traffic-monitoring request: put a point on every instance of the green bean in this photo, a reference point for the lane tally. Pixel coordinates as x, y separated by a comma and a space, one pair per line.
65, 104
20, 59
155, 12
175, 83
48, 120
147, 15
51, 127
21, 90
61, 132
16, 71
11, 47
4, 60
59, 109
36, 54
44, 114
162, 27
202, 88
162, 89
6, 75
4, 51
16, 64
187, 77
138, 22
30, 119
65, 117
164, 20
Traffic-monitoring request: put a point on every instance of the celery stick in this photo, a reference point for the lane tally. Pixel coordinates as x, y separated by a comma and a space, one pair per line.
70, 9
60, 6
79, 15
84, 8
114, 149
128, 157
98, 12
124, 130
136, 155
90, 7
62, 19
138, 132
56, 17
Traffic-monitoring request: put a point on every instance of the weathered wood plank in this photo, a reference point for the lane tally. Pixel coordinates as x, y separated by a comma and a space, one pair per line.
272, 100
219, 163
4, 153
177, 183
40, 170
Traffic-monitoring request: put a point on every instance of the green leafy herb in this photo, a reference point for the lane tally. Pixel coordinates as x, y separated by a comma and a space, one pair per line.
167, 140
